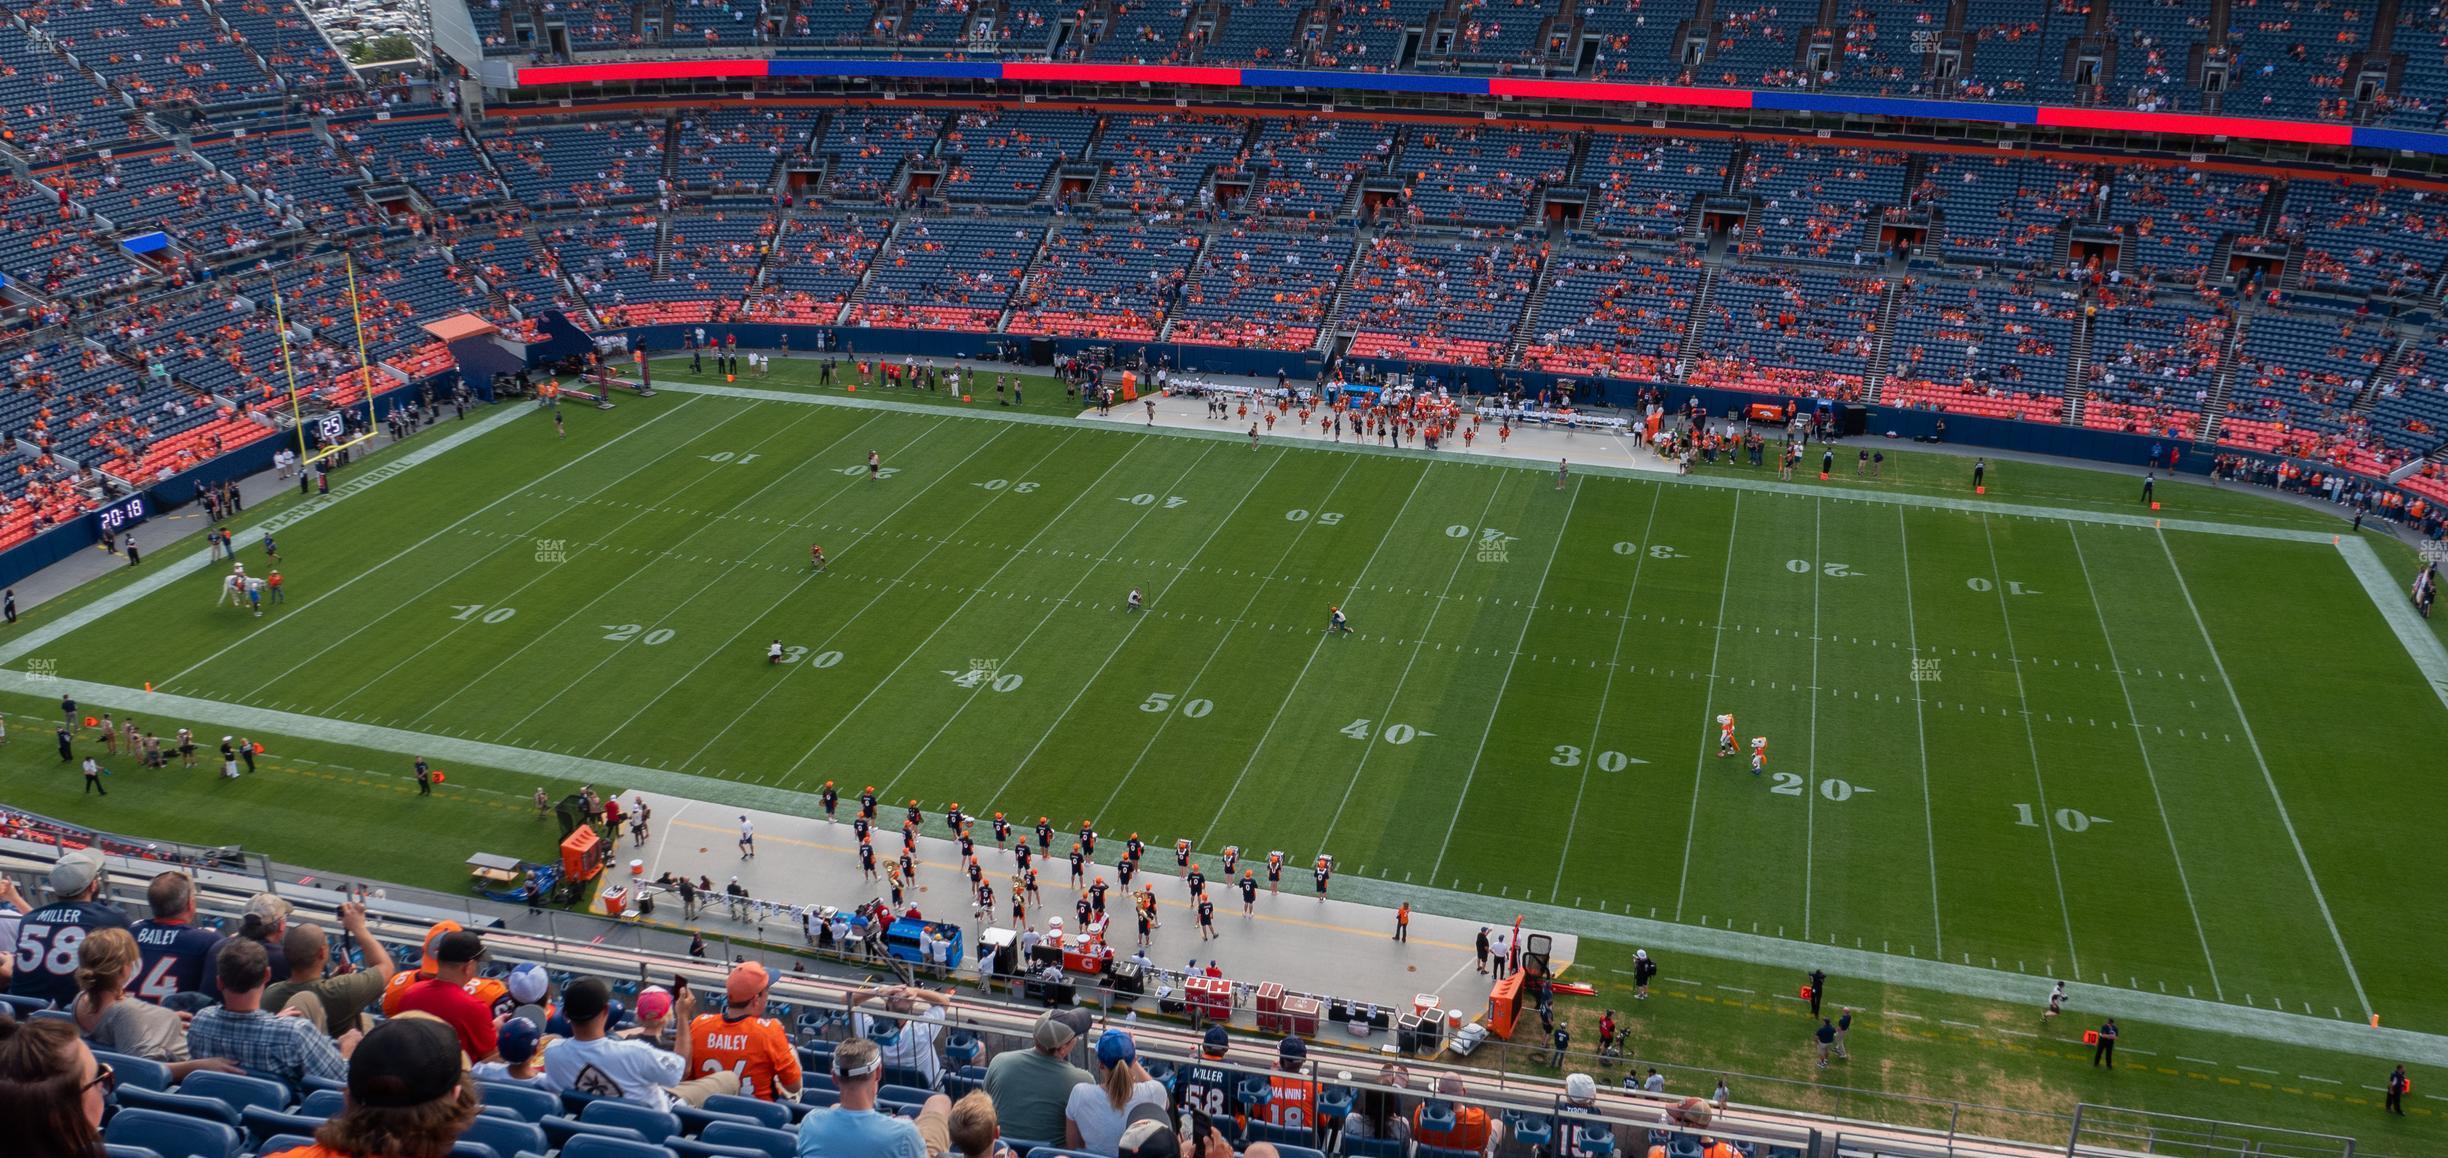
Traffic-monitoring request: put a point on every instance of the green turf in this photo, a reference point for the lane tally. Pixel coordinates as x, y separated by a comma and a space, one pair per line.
1523, 708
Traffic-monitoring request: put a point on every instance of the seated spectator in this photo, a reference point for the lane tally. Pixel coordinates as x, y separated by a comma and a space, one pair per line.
76, 881
1471, 1129
286, 1049
345, 994
1149, 1135
1095, 1115
1377, 1115
913, 1038
264, 922
974, 1131
176, 951
854, 1128
427, 963
445, 994
517, 1043
52, 1090
114, 1021
1031, 1087
593, 1062
743, 1042
13, 909
408, 1097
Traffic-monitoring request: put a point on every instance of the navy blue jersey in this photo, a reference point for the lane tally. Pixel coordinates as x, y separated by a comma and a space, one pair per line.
173, 958
1208, 1088
47, 944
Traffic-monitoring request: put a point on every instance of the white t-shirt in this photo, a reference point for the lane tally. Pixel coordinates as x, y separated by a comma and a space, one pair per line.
612, 1067
497, 1071
1100, 1124
914, 1048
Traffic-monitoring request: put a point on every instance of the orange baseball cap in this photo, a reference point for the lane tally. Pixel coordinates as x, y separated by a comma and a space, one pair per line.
748, 981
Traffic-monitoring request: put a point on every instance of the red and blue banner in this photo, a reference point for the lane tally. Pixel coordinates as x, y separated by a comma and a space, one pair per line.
1525, 88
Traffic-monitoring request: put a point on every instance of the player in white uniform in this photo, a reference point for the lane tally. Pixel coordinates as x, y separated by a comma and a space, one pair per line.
1759, 754
773, 652
1725, 734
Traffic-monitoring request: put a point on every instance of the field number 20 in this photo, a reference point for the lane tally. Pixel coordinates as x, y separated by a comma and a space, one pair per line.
624, 632
1832, 570
1790, 784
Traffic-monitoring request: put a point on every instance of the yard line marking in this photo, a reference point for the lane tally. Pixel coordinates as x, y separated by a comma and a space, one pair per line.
1623, 624
1190, 688
946, 621
1725, 587
1929, 826
1462, 798
974, 693
1294, 688
1810, 759
2236, 701
2429, 655
1132, 632
1370, 749
2149, 773
413, 547
543, 573
1997, 581
2257, 1070
2195, 1060
795, 588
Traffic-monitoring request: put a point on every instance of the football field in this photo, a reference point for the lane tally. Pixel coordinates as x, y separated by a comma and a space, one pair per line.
2048, 741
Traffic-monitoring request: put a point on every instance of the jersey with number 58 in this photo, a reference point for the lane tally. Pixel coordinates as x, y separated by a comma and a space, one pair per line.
47, 944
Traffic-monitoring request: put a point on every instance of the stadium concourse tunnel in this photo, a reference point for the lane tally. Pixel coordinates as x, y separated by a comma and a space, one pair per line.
811, 995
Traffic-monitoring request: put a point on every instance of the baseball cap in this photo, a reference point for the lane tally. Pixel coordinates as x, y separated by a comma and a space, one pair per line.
75, 871
1580, 1088
406, 1061
526, 983
518, 1039
746, 983
1057, 1029
1292, 1049
433, 937
654, 1003
1146, 1134
269, 909
1217, 1041
459, 948
1115, 1047
586, 999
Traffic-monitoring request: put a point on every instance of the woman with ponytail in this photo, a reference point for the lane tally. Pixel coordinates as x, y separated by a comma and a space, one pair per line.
114, 1021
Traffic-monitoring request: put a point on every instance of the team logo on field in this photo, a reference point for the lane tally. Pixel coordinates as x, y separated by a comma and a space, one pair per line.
552, 550
41, 670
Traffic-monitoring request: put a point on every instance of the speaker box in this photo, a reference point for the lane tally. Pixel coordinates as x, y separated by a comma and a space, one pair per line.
1852, 419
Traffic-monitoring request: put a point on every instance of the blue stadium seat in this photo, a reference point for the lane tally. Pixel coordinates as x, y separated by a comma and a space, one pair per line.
1372, 1148
261, 1124
693, 1121
894, 1092
774, 1143
530, 1103
238, 1091
276, 1144
966, 1079
759, 1110
1443, 1152
314, 1083
323, 1103
1529, 1130
1025, 1148
21, 1007
208, 1109
910, 1076
1281, 1136
601, 1146
692, 1148
110, 1151
142, 1072
1436, 1117
503, 1112
559, 1131
574, 1102
172, 1135
1294, 1150
962, 1049
656, 1126
1058, 1152
507, 1137
466, 1149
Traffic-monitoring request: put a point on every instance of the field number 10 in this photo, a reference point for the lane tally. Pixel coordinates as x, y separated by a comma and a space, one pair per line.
2069, 819
467, 611
2012, 588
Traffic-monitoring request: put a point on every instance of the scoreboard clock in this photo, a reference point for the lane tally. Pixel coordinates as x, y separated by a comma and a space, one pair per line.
123, 515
